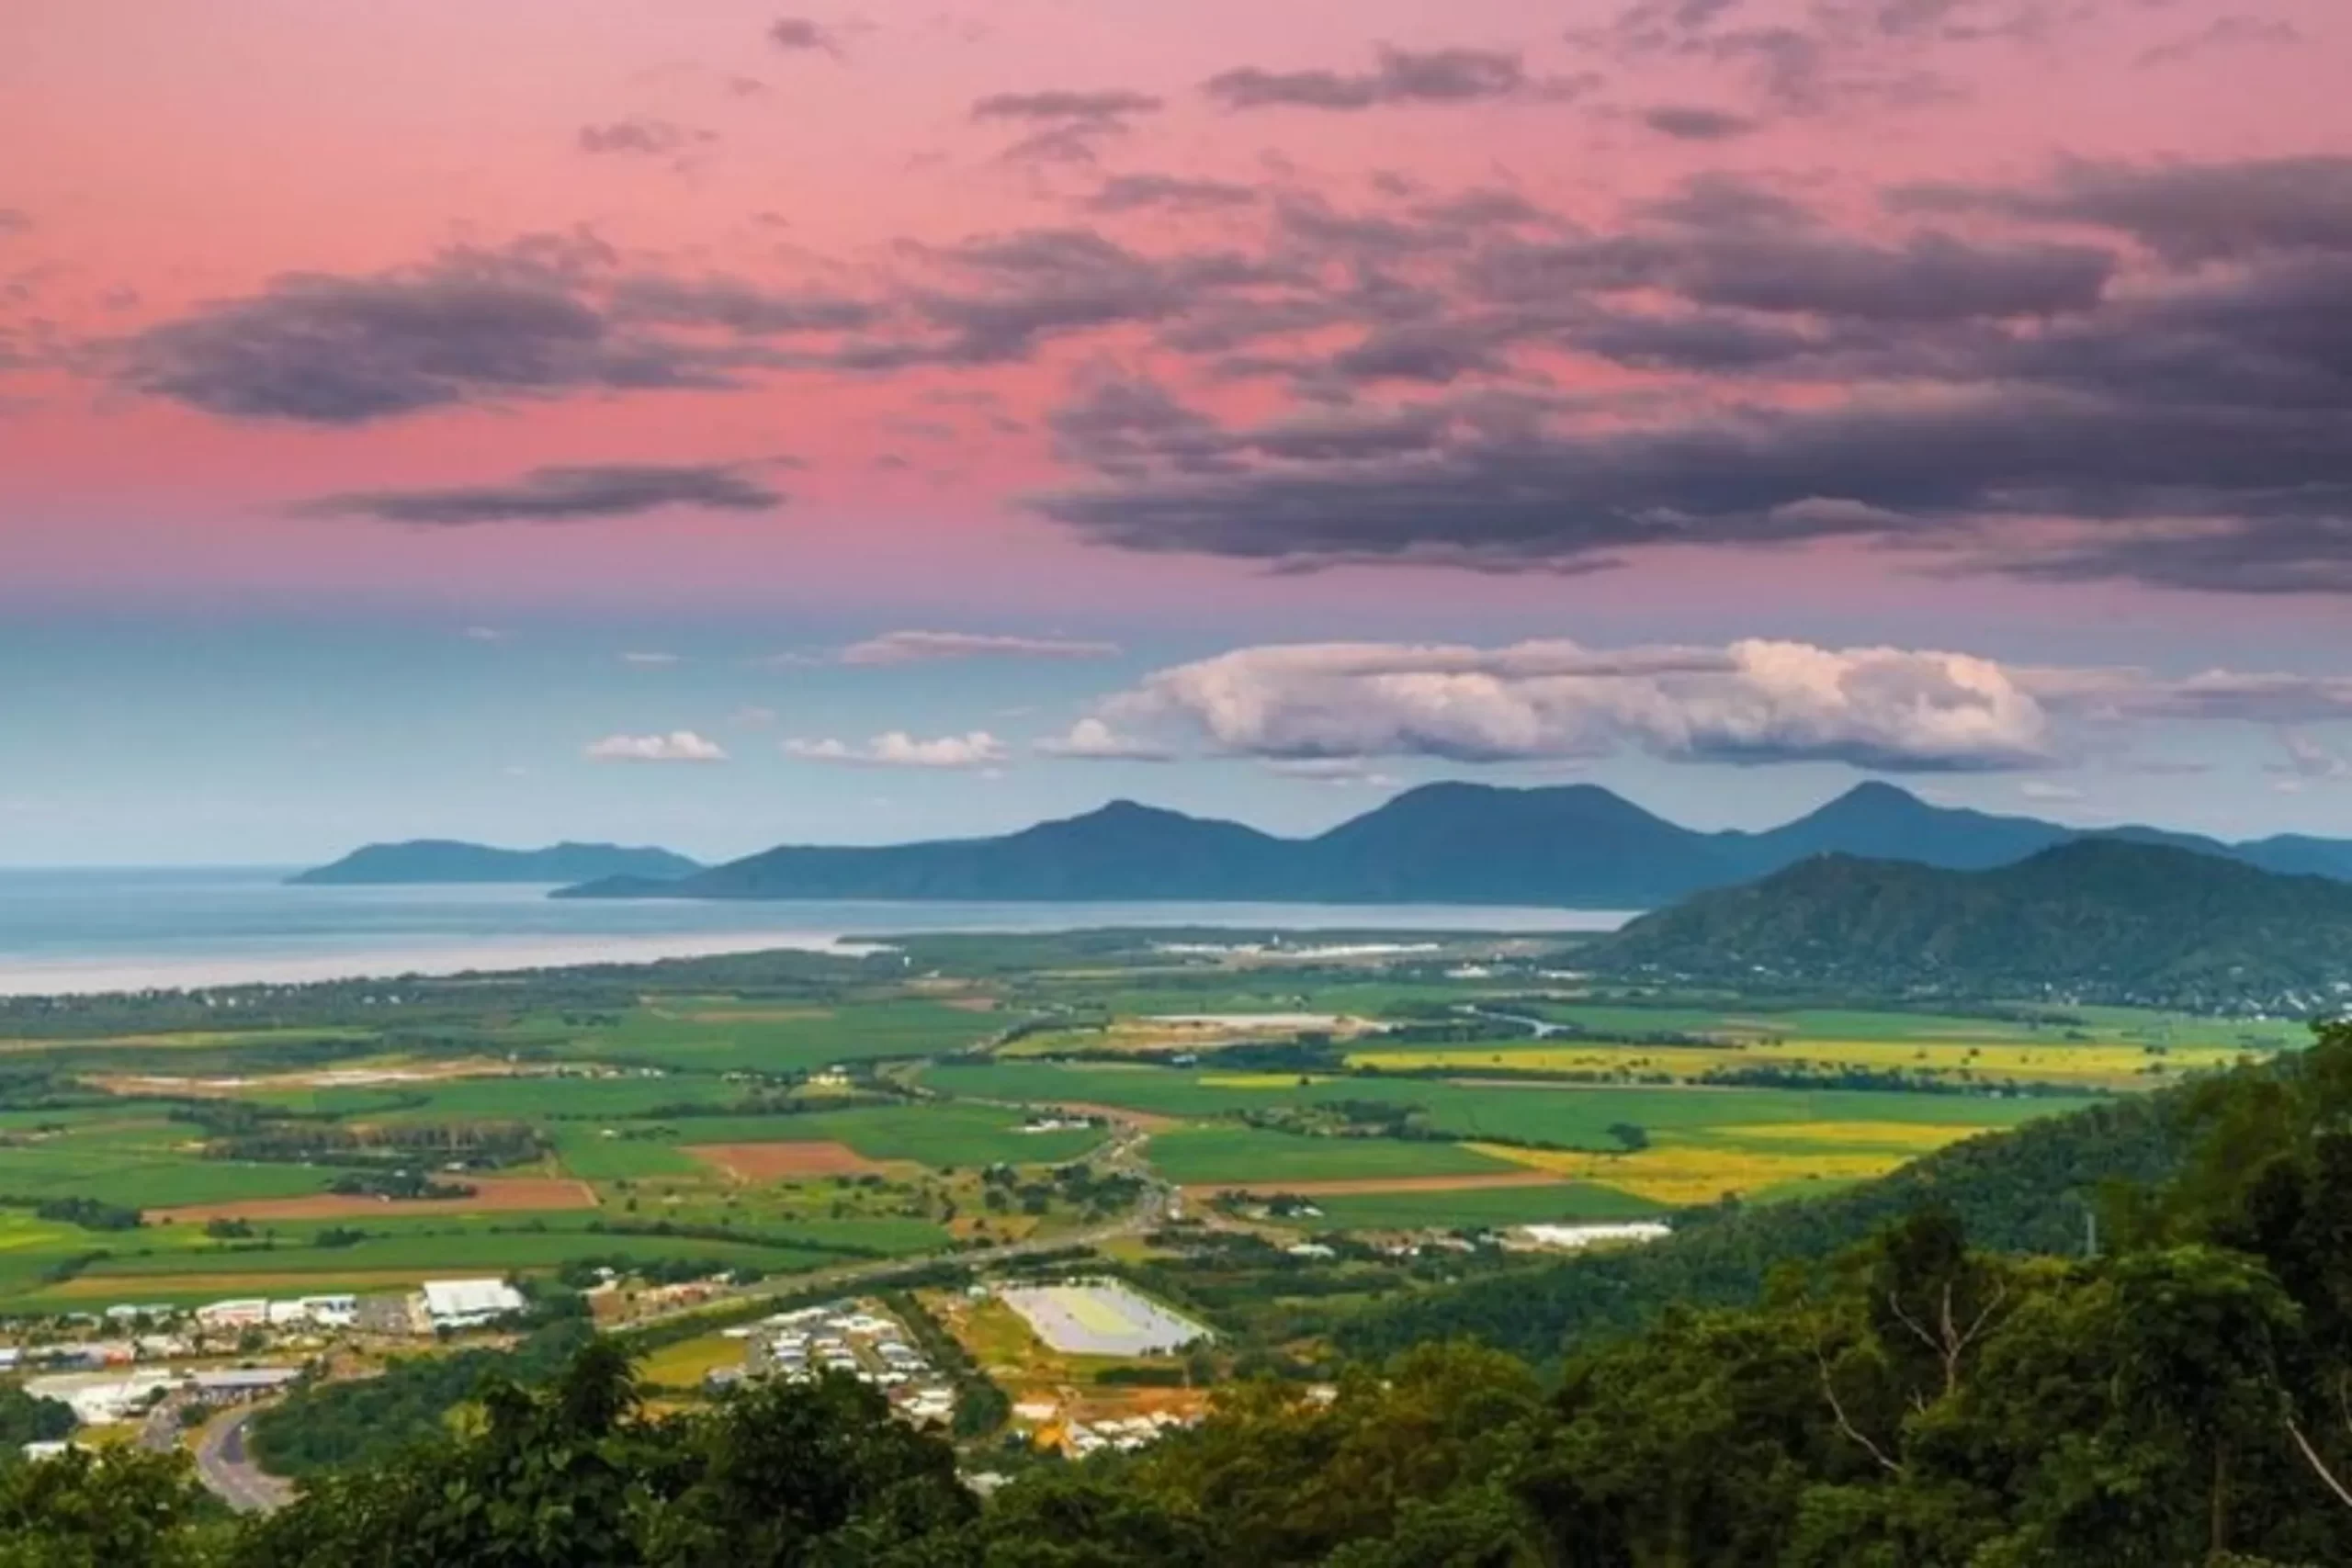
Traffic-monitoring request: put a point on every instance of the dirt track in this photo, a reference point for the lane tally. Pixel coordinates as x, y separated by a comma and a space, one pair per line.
785, 1162
493, 1194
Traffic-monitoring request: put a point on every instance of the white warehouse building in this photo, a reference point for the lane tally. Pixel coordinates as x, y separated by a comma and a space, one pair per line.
469, 1304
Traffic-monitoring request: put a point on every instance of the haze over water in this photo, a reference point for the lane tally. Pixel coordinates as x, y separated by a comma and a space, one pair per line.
90, 931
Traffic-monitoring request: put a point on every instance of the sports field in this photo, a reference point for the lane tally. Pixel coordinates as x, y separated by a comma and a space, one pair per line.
1101, 1317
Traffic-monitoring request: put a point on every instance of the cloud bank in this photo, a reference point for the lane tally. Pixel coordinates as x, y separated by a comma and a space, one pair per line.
678, 746
562, 495
899, 749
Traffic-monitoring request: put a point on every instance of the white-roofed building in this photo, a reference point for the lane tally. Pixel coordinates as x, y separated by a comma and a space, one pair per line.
243, 1312
469, 1304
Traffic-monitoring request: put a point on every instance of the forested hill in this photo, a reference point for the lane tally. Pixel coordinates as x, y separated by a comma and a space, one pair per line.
2097, 919
1576, 846
422, 861
2029, 1190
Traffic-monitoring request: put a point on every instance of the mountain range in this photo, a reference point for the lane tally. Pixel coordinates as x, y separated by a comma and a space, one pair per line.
442, 859
2094, 919
1574, 846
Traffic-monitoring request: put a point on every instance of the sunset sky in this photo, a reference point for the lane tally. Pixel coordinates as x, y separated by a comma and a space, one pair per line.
718, 425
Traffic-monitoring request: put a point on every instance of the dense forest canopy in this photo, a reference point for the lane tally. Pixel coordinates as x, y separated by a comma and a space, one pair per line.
2099, 920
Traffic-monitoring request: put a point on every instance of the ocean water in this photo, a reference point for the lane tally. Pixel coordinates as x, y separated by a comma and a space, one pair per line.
84, 931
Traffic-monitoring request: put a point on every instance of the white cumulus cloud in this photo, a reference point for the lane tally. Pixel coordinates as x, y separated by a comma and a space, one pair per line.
1752, 701
678, 746
1091, 740
900, 749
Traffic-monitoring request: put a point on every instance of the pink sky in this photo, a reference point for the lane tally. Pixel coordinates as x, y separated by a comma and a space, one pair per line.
1920, 386
187, 156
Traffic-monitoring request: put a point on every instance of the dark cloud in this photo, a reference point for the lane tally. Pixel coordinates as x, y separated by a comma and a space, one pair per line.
1687, 122
1129, 193
1929, 277
1713, 342
1472, 210
471, 327
2013, 415
1063, 104
1134, 427
2225, 33
566, 494
1477, 483
1777, 267
1401, 77
1071, 125
647, 138
2255, 556
999, 297
802, 36
2185, 212
737, 306
13, 220
1825, 55
1436, 352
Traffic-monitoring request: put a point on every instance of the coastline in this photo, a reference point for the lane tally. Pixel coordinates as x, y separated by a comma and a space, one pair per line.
67, 933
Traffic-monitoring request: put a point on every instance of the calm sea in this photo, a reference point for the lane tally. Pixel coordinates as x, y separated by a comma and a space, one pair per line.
130, 930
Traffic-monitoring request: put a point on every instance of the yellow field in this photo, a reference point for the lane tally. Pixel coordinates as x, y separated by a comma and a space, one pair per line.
2086, 1065
1909, 1138
1680, 1173
1261, 1080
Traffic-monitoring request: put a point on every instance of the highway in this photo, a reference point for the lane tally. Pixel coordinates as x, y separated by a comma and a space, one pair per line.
229, 1473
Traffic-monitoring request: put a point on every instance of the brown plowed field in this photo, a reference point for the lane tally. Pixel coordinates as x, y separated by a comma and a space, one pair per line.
785, 1162
1389, 1184
493, 1194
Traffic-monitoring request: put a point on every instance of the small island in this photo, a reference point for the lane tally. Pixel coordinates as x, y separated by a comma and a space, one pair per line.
427, 861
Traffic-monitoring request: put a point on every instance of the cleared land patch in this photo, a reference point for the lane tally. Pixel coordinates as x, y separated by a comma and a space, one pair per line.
491, 1194
785, 1162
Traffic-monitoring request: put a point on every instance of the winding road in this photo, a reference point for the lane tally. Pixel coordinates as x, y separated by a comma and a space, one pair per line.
229, 1473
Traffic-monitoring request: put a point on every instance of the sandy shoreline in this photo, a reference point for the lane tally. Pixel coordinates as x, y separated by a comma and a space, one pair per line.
54, 978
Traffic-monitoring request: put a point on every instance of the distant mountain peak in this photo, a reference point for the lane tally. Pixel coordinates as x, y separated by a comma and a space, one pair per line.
1572, 845
1875, 795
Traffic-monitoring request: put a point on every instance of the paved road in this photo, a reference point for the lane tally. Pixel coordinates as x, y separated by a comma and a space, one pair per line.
229, 1473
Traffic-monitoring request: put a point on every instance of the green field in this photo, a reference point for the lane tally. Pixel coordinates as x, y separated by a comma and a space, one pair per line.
586, 1152
1572, 1115
655, 1062
1204, 1154
738, 1037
